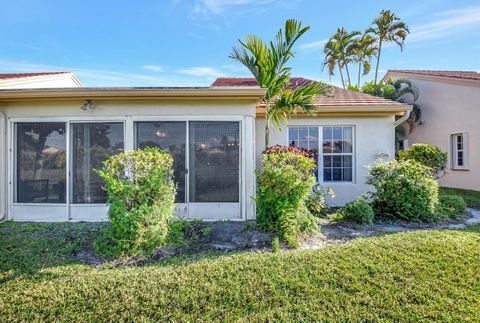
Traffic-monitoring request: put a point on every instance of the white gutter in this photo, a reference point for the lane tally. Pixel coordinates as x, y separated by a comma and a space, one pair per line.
3, 173
403, 118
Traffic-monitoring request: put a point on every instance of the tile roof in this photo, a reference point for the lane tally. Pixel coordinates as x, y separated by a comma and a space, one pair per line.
464, 75
7, 76
336, 98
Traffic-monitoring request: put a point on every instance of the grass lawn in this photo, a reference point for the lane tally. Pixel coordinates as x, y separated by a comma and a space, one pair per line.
424, 275
472, 198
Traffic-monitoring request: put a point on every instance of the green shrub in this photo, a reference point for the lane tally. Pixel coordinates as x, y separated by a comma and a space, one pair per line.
405, 190
451, 206
316, 201
141, 195
284, 185
275, 244
430, 156
358, 211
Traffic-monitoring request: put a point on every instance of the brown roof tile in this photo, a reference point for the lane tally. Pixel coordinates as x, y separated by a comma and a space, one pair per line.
337, 96
464, 75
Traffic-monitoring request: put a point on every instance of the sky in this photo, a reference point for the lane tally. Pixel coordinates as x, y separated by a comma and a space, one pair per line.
187, 42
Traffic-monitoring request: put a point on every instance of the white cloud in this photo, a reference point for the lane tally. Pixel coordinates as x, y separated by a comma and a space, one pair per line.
447, 23
217, 6
99, 77
201, 71
153, 68
314, 45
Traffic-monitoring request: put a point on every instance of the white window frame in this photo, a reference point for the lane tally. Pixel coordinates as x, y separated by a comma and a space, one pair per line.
455, 150
321, 154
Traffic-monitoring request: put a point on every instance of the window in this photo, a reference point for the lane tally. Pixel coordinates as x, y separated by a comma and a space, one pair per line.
40, 162
169, 136
306, 137
93, 143
459, 151
336, 154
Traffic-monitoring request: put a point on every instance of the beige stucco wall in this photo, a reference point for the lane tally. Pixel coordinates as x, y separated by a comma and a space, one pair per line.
373, 136
447, 109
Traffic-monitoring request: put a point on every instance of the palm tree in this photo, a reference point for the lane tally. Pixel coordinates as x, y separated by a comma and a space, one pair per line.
341, 43
363, 49
267, 63
333, 59
388, 28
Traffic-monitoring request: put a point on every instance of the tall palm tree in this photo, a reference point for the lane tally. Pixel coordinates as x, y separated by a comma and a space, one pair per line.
388, 28
364, 48
342, 42
267, 63
333, 59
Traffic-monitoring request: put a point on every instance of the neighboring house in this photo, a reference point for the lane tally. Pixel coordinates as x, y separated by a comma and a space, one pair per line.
51, 140
450, 104
38, 80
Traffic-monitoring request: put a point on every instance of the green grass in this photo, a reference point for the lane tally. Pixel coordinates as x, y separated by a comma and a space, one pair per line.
424, 275
472, 198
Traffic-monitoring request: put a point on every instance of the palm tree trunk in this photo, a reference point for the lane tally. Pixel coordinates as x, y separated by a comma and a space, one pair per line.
378, 59
267, 134
348, 74
359, 71
341, 74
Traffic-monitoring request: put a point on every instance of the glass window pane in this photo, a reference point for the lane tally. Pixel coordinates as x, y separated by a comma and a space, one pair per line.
171, 137
327, 174
337, 161
93, 143
327, 161
347, 161
347, 139
337, 133
303, 144
303, 134
313, 144
337, 146
337, 175
347, 174
313, 134
293, 136
327, 133
214, 161
41, 162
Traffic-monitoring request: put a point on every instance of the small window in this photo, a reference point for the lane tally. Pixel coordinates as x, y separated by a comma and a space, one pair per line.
337, 154
459, 151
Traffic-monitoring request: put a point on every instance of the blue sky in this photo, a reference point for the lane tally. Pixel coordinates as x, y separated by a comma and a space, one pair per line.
187, 42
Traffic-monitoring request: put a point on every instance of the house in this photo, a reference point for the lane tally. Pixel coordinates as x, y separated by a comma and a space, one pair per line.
450, 104
51, 140
38, 80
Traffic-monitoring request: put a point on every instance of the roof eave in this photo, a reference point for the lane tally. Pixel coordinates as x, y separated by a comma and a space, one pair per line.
132, 93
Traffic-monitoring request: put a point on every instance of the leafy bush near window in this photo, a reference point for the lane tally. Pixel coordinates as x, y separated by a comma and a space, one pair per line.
430, 156
316, 201
358, 211
451, 206
284, 185
405, 190
141, 195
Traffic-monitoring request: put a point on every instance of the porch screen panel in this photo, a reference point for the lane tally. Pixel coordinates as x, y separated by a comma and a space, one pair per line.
169, 136
93, 143
40, 162
214, 161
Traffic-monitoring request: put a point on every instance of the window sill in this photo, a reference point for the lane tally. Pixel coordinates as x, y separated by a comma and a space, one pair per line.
460, 169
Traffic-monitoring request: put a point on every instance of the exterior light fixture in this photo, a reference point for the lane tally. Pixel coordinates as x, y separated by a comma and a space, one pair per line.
88, 105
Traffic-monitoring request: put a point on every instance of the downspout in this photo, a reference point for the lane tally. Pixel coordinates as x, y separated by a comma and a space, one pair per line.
3, 172
402, 119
